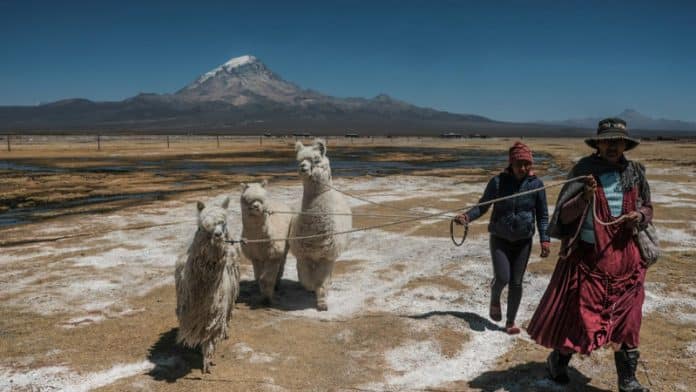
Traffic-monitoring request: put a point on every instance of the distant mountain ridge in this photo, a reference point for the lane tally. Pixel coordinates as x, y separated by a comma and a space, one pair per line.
240, 96
244, 96
634, 119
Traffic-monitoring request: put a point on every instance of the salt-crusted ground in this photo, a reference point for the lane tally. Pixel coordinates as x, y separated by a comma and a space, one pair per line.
407, 309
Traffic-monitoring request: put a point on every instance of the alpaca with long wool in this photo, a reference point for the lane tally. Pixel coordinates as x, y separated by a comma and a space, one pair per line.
207, 284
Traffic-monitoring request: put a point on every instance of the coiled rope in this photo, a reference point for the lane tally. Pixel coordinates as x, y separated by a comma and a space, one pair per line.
601, 222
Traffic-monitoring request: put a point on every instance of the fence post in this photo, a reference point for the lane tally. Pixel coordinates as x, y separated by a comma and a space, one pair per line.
218, 141
8, 143
260, 140
167, 142
98, 142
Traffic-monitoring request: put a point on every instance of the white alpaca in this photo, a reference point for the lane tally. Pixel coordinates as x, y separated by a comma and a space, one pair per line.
207, 284
259, 223
316, 256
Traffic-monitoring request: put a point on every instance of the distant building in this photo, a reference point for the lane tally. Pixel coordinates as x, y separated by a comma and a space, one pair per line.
352, 134
477, 136
451, 135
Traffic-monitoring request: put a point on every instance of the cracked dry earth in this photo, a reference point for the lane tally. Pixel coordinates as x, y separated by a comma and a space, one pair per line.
407, 309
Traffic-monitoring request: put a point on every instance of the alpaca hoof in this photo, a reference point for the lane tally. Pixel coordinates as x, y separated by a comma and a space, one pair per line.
207, 366
322, 307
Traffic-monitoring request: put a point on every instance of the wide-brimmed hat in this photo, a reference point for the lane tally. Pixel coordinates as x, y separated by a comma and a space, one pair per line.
612, 129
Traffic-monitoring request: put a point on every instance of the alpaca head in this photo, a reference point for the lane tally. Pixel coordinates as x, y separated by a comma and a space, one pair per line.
254, 199
213, 220
313, 164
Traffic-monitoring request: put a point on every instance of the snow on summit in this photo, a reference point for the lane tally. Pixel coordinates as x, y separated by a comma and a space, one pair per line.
238, 61
228, 66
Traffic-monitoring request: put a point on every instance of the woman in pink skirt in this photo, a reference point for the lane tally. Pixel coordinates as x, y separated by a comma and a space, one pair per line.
596, 292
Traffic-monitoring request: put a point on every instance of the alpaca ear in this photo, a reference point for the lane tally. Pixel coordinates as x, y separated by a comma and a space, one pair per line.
226, 202
298, 146
200, 206
243, 186
320, 144
264, 183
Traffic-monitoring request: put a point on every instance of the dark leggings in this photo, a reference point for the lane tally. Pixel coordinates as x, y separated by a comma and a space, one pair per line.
509, 263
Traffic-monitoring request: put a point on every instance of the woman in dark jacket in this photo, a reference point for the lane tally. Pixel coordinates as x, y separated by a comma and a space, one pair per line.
596, 292
511, 229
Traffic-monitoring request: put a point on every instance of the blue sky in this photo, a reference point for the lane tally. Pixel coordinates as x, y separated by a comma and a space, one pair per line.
515, 61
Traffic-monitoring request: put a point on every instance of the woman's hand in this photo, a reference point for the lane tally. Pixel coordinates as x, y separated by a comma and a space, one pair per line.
545, 249
632, 219
461, 219
590, 188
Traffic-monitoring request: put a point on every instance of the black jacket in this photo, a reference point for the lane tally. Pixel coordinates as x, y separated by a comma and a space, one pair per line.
513, 219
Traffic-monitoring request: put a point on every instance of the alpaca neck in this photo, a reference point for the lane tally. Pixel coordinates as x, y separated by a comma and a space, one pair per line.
312, 189
253, 224
207, 253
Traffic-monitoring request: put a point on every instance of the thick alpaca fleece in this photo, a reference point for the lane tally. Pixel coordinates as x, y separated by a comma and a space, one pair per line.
316, 256
260, 223
207, 284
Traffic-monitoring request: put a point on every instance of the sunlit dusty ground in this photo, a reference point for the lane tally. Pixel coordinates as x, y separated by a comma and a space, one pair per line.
87, 298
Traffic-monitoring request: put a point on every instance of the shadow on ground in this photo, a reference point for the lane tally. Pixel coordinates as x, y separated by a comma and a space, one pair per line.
476, 322
172, 361
290, 295
530, 376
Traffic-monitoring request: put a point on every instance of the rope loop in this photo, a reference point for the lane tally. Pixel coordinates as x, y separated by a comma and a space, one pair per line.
466, 231
598, 220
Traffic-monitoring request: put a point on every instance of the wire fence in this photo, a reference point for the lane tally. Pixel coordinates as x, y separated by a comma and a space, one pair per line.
98, 142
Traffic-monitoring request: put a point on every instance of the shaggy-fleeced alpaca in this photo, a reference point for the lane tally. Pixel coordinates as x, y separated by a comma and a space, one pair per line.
207, 284
316, 256
259, 223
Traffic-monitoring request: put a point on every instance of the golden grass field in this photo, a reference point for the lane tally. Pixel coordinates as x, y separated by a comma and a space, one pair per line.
87, 296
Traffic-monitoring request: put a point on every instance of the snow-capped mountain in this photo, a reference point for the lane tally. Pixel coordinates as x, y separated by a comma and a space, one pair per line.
243, 80
244, 96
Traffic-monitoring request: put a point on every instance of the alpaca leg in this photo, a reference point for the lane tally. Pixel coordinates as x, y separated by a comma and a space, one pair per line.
323, 272
305, 274
228, 317
207, 349
280, 273
268, 280
258, 268
321, 299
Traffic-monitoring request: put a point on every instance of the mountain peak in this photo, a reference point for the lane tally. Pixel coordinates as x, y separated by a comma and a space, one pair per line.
238, 61
229, 66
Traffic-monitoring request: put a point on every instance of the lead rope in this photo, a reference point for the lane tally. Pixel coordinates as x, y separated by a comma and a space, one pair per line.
437, 214
370, 201
645, 371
